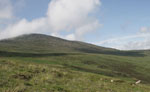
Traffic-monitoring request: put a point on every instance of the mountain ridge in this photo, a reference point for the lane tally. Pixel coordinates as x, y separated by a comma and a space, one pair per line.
47, 44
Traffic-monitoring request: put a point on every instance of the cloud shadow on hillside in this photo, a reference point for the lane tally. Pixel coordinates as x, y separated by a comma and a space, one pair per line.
118, 53
113, 52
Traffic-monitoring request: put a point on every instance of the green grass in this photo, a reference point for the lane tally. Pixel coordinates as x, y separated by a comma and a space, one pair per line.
76, 72
22, 76
110, 65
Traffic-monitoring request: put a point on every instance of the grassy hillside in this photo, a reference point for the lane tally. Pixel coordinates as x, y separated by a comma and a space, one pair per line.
32, 77
44, 44
32, 63
38, 43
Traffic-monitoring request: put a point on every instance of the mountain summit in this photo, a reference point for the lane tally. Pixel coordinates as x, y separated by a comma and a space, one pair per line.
39, 43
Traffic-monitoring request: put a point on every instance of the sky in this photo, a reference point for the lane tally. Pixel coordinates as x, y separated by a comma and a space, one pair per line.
120, 24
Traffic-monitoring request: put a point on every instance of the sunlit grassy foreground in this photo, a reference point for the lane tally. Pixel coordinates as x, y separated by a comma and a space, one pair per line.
32, 77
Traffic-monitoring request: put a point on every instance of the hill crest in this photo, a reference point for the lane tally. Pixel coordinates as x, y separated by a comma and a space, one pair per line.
40, 43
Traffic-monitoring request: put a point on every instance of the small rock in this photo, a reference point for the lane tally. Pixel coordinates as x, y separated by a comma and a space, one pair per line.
112, 81
138, 82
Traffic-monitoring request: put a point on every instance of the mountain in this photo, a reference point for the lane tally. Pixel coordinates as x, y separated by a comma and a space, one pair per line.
39, 43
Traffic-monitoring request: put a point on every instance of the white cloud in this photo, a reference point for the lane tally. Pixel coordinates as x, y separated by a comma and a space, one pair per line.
86, 29
139, 41
70, 14
62, 15
83, 30
24, 27
73, 15
137, 45
71, 37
